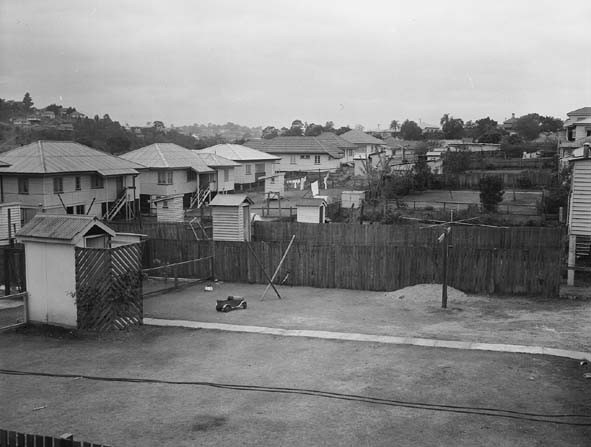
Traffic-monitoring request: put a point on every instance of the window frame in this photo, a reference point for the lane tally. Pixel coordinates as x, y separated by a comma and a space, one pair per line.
58, 185
23, 185
248, 169
317, 159
165, 177
78, 183
97, 182
292, 159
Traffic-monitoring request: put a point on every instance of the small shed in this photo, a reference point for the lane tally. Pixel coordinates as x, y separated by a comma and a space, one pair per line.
579, 214
352, 199
311, 210
169, 208
274, 185
10, 221
50, 242
230, 214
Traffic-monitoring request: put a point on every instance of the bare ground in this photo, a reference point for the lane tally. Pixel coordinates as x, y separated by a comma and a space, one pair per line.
142, 414
415, 311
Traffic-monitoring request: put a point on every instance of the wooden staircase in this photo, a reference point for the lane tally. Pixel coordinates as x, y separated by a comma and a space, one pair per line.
200, 197
121, 202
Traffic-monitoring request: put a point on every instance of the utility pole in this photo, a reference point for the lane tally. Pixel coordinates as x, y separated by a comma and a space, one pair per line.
444, 240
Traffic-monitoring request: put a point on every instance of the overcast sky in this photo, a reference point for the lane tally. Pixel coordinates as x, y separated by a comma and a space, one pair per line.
269, 62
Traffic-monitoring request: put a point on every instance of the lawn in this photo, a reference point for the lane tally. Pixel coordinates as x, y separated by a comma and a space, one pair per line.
155, 414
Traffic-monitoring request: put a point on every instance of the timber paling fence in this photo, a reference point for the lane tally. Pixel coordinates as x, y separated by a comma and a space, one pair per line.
18, 439
381, 257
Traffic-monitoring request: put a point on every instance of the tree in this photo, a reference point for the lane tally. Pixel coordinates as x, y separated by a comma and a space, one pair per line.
422, 175
528, 126
409, 130
27, 101
550, 124
359, 127
494, 137
394, 125
329, 127
313, 130
491, 192
269, 132
342, 130
453, 128
54, 108
456, 162
484, 126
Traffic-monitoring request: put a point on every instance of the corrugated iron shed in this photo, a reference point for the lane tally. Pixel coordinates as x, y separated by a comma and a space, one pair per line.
55, 157
60, 227
167, 156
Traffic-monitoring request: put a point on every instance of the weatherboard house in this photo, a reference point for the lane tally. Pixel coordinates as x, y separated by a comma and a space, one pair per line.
63, 177
171, 170
252, 164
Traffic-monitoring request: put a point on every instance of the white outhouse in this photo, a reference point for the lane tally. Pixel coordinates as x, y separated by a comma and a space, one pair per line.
170, 208
50, 242
230, 214
311, 210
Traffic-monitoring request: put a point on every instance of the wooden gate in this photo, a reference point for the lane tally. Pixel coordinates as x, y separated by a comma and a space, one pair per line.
109, 287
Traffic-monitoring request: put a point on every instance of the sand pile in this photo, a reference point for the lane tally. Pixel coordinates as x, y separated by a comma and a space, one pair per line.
427, 293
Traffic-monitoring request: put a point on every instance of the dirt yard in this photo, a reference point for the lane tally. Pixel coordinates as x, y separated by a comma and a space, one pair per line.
407, 380
415, 311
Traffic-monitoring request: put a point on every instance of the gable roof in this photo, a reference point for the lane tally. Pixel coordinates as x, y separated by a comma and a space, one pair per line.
358, 137
238, 152
55, 157
215, 161
166, 156
321, 144
230, 200
63, 228
584, 111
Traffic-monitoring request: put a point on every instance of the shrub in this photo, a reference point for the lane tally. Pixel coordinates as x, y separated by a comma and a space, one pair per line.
491, 192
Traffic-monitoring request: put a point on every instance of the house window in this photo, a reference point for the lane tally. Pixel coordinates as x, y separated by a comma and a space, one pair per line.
58, 185
191, 175
78, 183
350, 152
589, 133
259, 168
165, 204
226, 175
70, 210
316, 159
80, 209
247, 169
165, 177
305, 157
292, 159
23, 186
97, 182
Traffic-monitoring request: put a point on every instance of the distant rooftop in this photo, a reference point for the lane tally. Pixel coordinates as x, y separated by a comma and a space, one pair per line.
584, 111
326, 143
238, 152
358, 137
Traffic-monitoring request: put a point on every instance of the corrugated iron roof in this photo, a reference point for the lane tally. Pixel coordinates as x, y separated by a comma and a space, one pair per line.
330, 144
230, 200
238, 152
311, 202
167, 155
54, 157
60, 227
216, 161
358, 137
583, 111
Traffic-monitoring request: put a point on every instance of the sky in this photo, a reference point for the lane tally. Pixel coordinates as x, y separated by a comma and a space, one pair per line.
269, 62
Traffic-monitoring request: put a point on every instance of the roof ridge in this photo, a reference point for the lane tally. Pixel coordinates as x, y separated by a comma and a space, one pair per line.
42, 155
321, 145
159, 152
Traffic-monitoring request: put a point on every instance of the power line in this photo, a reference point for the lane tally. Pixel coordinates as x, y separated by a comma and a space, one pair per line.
479, 411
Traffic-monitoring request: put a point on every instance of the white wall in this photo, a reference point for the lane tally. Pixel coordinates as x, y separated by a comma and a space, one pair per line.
580, 201
308, 214
240, 171
327, 163
148, 181
222, 185
41, 191
51, 282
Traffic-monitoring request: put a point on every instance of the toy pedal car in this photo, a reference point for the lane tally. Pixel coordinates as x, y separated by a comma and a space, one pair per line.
230, 303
